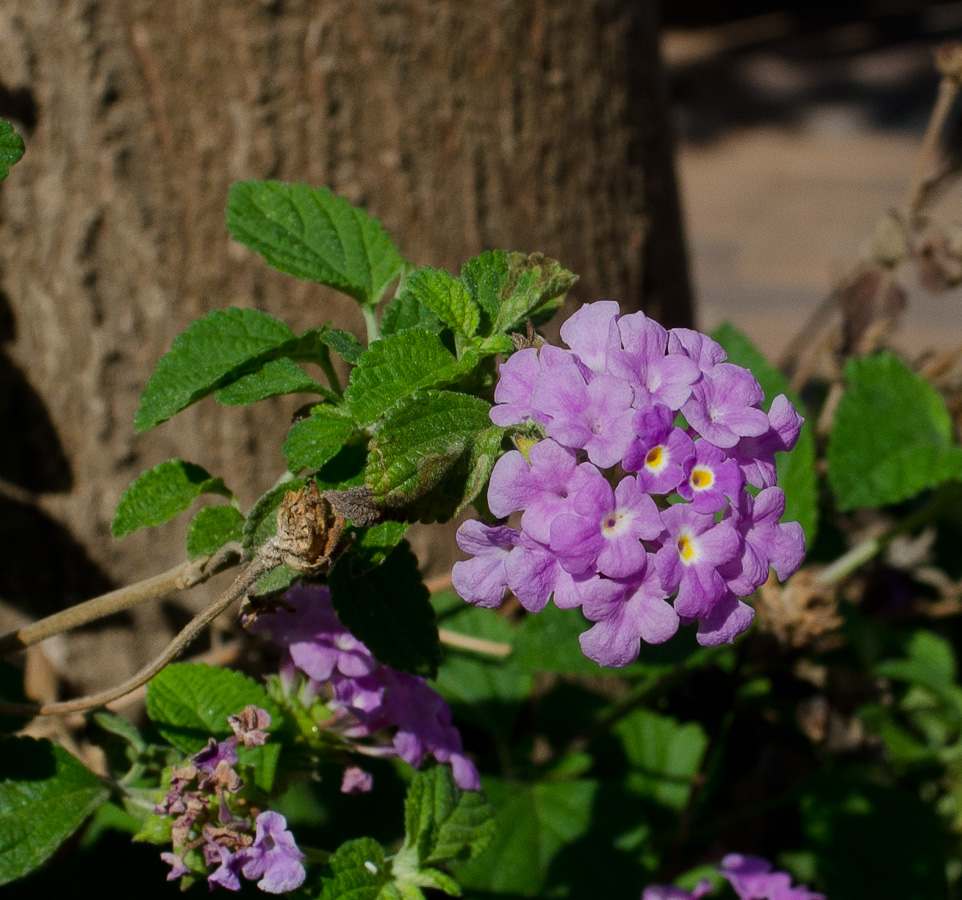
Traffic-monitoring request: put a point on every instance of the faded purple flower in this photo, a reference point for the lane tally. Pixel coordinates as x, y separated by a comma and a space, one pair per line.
249, 726
273, 860
753, 879
668, 892
356, 781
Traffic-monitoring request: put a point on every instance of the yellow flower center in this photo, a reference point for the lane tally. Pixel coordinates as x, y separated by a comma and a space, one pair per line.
701, 478
653, 459
686, 549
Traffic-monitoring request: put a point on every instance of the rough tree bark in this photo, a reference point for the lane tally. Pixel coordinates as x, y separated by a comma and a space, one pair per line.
463, 126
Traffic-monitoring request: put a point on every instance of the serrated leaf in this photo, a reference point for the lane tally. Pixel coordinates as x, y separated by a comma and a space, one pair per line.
345, 344
665, 755
447, 297
278, 580
796, 469
45, 795
358, 871
371, 546
274, 379
405, 311
513, 287
443, 824
190, 702
317, 439
215, 350
535, 823
395, 367
892, 436
11, 148
213, 527
389, 610
435, 441
162, 493
314, 234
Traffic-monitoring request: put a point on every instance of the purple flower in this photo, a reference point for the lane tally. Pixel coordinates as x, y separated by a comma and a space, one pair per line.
659, 452
655, 377
700, 348
668, 892
226, 874
535, 575
688, 562
208, 759
766, 541
588, 415
711, 479
756, 455
541, 485
753, 879
249, 726
626, 613
274, 860
513, 392
723, 406
592, 333
606, 529
356, 781
728, 619
483, 579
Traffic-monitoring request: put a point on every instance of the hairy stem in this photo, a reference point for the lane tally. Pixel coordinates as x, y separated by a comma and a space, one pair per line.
180, 578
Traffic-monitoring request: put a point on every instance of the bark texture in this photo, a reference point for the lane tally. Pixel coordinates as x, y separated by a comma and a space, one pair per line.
463, 126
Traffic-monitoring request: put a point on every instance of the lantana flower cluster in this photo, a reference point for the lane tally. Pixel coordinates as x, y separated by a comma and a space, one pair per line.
212, 820
633, 488
751, 877
377, 710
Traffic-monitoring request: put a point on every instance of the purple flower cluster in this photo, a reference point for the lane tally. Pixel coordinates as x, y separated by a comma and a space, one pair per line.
369, 699
642, 522
751, 877
211, 824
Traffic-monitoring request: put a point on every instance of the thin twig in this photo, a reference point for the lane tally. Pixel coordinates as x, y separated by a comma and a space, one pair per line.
238, 589
180, 578
915, 198
476, 645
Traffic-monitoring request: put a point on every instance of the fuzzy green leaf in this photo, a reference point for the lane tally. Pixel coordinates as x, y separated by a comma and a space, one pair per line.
190, 702
447, 297
11, 148
345, 344
45, 795
405, 311
892, 436
535, 823
317, 439
371, 546
359, 871
796, 469
275, 378
311, 233
443, 824
213, 527
394, 368
161, 493
218, 349
435, 449
513, 287
388, 608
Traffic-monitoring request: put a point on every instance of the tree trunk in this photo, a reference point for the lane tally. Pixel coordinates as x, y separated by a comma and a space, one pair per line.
537, 126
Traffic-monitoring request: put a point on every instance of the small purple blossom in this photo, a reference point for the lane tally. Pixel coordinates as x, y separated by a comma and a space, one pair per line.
723, 406
482, 580
711, 479
659, 452
753, 879
273, 860
668, 892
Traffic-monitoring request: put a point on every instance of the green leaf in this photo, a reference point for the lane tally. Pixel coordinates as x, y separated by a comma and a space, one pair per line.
447, 297
389, 610
395, 367
213, 527
436, 448
345, 344
796, 469
892, 436
317, 439
276, 581
930, 663
161, 493
405, 311
311, 233
443, 825
275, 378
664, 754
513, 287
371, 546
190, 702
11, 148
214, 351
535, 823
45, 795
359, 871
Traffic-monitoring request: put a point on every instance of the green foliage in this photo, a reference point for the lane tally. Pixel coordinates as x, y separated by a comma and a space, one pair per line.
448, 298
796, 469
345, 344
359, 871
275, 378
892, 436
11, 148
213, 527
314, 234
45, 795
215, 351
388, 609
162, 493
316, 440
